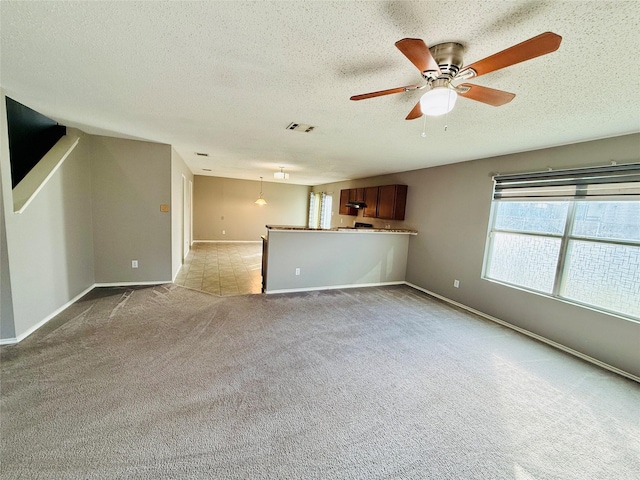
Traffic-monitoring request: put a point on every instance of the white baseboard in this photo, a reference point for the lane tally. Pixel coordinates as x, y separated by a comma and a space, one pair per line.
129, 284
559, 346
227, 241
22, 336
334, 287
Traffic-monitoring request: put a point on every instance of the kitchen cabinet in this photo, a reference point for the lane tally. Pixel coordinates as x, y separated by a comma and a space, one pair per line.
350, 195
371, 199
344, 199
387, 202
392, 200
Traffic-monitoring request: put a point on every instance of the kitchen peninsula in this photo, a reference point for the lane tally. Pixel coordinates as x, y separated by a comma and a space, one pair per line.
301, 258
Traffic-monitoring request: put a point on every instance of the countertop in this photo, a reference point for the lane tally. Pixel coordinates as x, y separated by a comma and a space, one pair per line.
341, 229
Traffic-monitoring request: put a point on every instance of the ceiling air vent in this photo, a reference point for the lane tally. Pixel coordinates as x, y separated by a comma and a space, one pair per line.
201, 154
300, 127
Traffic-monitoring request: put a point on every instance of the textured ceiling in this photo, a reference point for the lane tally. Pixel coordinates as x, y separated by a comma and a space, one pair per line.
226, 78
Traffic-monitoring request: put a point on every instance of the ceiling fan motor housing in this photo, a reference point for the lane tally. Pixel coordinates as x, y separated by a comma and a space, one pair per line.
448, 56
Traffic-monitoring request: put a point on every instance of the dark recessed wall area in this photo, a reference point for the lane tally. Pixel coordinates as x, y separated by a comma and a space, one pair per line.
31, 136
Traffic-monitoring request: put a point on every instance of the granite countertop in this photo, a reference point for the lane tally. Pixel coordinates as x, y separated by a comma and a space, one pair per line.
342, 229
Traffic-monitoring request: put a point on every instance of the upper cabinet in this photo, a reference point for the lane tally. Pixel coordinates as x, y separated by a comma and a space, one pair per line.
349, 196
344, 199
371, 199
387, 202
392, 200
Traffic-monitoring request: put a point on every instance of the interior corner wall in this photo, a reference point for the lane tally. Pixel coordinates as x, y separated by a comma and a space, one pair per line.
450, 205
181, 214
49, 246
226, 204
131, 179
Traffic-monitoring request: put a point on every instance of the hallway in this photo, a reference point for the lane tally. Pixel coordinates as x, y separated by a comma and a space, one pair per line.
223, 268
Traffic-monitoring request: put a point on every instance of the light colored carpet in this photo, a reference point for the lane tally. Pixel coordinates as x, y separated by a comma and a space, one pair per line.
376, 383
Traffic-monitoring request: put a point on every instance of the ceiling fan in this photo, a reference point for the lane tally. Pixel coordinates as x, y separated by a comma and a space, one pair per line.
441, 65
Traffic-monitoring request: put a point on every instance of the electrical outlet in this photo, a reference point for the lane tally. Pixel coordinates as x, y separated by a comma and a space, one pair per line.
456, 283
297, 271
224, 232
134, 263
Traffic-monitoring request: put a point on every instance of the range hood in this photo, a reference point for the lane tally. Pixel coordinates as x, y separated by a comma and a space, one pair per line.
356, 204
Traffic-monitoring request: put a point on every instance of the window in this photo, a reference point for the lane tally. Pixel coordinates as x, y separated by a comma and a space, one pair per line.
314, 210
325, 211
320, 210
573, 235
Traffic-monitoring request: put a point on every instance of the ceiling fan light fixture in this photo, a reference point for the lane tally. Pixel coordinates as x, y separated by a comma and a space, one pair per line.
438, 101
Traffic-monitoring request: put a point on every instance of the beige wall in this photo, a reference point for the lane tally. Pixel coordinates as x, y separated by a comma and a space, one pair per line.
131, 179
7, 328
98, 211
450, 206
357, 259
49, 246
228, 204
181, 213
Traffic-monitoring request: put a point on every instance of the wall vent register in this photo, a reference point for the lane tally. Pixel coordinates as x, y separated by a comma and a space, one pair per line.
300, 127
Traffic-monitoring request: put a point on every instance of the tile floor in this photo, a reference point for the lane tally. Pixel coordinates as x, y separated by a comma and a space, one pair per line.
225, 269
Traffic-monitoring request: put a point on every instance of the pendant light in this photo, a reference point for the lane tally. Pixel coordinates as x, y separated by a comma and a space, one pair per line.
261, 201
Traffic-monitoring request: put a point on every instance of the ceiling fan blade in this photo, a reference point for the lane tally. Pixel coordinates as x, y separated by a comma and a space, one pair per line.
415, 113
418, 53
384, 92
487, 95
534, 47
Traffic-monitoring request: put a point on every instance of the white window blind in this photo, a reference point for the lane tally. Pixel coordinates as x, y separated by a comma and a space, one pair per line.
611, 182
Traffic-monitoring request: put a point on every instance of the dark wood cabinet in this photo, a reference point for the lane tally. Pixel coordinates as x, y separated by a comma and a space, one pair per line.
387, 202
350, 195
356, 194
392, 200
371, 199
344, 199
